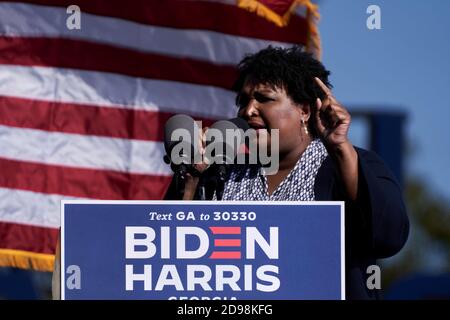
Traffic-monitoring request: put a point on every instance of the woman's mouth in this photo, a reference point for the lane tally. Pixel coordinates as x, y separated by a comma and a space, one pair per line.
260, 129
256, 125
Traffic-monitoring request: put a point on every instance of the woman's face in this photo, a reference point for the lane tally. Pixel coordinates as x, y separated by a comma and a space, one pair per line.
267, 108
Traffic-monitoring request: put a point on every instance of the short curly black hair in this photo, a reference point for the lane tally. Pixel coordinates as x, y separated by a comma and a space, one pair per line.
289, 68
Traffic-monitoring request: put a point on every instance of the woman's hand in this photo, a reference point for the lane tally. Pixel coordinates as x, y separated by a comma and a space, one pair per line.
332, 119
332, 123
203, 165
192, 181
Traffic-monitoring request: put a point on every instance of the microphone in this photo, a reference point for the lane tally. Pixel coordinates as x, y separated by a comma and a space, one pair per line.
181, 138
224, 139
181, 145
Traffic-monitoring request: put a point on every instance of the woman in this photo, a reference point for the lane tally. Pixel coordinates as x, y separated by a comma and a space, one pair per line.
288, 90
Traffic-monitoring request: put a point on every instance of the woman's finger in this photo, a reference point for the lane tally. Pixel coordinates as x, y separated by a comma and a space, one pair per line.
319, 123
324, 88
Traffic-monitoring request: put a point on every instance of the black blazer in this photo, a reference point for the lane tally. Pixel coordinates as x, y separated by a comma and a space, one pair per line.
376, 224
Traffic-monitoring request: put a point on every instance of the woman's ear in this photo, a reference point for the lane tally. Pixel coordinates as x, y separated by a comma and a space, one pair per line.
306, 112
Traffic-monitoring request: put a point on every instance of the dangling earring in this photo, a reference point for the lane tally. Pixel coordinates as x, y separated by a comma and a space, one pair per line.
305, 126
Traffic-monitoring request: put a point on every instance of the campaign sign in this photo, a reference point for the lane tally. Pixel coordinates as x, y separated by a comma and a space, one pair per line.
202, 250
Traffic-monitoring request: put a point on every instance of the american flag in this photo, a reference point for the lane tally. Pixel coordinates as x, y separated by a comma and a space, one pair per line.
82, 110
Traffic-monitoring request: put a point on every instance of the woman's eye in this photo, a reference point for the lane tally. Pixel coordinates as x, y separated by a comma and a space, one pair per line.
263, 99
243, 100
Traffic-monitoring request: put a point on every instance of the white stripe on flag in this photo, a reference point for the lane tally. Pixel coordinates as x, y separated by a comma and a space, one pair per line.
26, 20
74, 150
107, 89
31, 208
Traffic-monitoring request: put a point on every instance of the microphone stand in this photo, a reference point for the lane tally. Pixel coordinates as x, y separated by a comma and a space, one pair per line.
201, 191
221, 175
180, 179
179, 176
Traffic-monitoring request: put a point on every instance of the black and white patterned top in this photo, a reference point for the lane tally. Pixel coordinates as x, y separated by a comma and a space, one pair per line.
247, 183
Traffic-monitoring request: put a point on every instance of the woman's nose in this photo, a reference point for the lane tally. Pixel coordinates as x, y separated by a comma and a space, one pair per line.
250, 110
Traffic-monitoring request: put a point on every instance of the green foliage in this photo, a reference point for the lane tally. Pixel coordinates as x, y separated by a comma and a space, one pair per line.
429, 235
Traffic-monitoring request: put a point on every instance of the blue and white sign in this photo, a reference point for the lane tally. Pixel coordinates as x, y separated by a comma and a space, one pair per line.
202, 250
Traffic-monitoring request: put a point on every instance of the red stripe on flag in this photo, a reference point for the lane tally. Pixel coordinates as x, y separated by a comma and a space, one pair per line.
225, 255
280, 7
78, 182
225, 230
203, 15
28, 238
227, 242
91, 56
85, 119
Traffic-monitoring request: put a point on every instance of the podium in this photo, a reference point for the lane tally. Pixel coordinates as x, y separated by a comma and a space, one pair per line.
202, 250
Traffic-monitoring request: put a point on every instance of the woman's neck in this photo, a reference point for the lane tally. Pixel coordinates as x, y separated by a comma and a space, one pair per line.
288, 160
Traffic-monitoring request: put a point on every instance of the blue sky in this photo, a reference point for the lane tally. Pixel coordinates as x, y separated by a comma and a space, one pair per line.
404, 65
